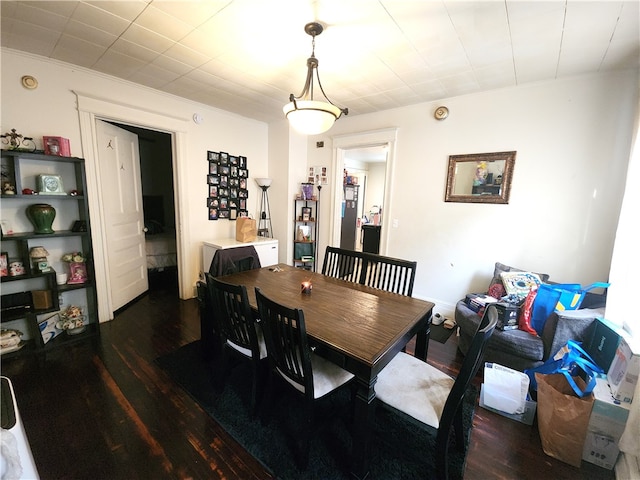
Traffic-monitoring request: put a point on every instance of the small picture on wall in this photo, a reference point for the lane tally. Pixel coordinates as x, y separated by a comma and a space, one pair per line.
213, 168
213, 214
224, 159
213, 156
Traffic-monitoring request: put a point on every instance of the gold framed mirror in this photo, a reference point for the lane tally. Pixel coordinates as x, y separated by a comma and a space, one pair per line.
480, 177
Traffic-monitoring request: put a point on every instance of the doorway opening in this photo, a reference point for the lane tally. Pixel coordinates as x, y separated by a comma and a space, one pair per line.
369, 156
365, 169
156, 172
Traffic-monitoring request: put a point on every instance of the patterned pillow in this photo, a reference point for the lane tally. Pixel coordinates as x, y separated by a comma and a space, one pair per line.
520, 283
497, 278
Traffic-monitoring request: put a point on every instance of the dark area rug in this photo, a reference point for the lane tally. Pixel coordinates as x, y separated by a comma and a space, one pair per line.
400, 449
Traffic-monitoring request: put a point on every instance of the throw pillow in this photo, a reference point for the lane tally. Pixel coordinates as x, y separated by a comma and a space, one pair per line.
501, 267
520, 283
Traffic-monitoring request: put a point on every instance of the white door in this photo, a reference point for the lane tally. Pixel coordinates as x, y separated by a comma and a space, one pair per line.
119, 163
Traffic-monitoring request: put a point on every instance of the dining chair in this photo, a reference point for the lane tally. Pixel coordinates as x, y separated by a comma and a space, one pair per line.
240, 333
390, 274
291, 359
342, 263
224, 262
427, 396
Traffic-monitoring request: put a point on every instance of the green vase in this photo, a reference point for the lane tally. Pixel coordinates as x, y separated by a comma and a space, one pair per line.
41, 215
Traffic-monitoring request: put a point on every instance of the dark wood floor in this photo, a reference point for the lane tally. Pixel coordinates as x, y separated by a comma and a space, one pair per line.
102, 409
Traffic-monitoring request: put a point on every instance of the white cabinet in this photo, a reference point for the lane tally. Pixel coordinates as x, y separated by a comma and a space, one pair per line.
266, 248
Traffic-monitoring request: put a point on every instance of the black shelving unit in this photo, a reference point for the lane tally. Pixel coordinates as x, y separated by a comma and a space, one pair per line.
21, 169
305, 247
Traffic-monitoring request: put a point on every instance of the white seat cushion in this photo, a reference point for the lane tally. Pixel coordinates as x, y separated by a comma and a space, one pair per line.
415, 388
327, 376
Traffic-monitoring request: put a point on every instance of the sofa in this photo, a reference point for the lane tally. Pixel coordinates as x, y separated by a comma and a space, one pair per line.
521, 350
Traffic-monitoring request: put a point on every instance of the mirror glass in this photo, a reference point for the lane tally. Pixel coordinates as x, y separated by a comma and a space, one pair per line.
480, 177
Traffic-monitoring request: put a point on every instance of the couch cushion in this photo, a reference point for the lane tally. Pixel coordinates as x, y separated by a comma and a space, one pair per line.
515, 343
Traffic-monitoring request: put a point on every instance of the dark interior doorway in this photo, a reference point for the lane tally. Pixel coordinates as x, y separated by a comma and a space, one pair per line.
158, 199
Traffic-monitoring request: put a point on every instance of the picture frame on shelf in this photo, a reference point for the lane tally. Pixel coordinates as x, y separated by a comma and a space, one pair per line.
77, 273
79, 226
4, 264
304, 233
6, 227
306, 214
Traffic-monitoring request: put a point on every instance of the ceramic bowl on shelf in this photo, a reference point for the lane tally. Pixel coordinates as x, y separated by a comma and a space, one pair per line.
72, 325
76, 331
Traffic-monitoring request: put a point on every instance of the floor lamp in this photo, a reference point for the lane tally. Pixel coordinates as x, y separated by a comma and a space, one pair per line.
264, 222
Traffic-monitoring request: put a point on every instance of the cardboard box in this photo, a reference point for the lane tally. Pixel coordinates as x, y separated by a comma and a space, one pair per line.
624, 370
603, 343
477, 301
42, 299
507, 316
606, 425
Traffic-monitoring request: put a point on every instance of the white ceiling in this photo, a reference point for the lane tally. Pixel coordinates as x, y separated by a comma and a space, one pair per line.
247, 56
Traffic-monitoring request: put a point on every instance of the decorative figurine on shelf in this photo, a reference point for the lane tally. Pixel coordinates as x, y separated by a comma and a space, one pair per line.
77, 268
8, 189
16, 141
39, 259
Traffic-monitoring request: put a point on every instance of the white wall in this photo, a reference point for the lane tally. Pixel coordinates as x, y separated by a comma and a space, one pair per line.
572, 139
51, 110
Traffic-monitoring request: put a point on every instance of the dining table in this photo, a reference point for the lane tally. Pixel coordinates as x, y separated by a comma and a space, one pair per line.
366, 327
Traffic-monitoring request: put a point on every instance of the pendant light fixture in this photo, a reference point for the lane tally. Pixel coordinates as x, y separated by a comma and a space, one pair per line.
306, 115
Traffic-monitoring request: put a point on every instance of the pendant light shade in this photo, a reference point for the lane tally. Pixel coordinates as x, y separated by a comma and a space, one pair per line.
311, 117
306, 115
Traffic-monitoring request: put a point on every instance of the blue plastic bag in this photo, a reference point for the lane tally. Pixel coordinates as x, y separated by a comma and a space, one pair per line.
561, 296
569, 361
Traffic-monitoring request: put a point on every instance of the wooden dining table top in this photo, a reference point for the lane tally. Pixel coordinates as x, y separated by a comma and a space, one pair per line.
360, 322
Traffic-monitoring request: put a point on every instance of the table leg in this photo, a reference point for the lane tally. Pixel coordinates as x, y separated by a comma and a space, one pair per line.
364, 416
422, 341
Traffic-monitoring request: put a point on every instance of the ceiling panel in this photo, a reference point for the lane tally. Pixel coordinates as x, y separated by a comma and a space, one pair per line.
247, 56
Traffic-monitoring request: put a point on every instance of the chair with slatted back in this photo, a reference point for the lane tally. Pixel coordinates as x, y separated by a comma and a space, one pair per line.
291, 360
429, 397
240, 333
341, 263
390, 274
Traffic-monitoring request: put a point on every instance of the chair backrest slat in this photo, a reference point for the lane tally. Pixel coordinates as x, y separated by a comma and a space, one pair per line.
287, 344
341, 263
378, 271
236, 321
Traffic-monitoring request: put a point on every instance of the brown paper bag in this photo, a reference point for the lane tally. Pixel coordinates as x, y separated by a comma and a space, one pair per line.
563, 417
246, 230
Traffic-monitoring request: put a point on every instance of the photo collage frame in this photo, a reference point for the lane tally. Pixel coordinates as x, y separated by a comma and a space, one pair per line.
227, 184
